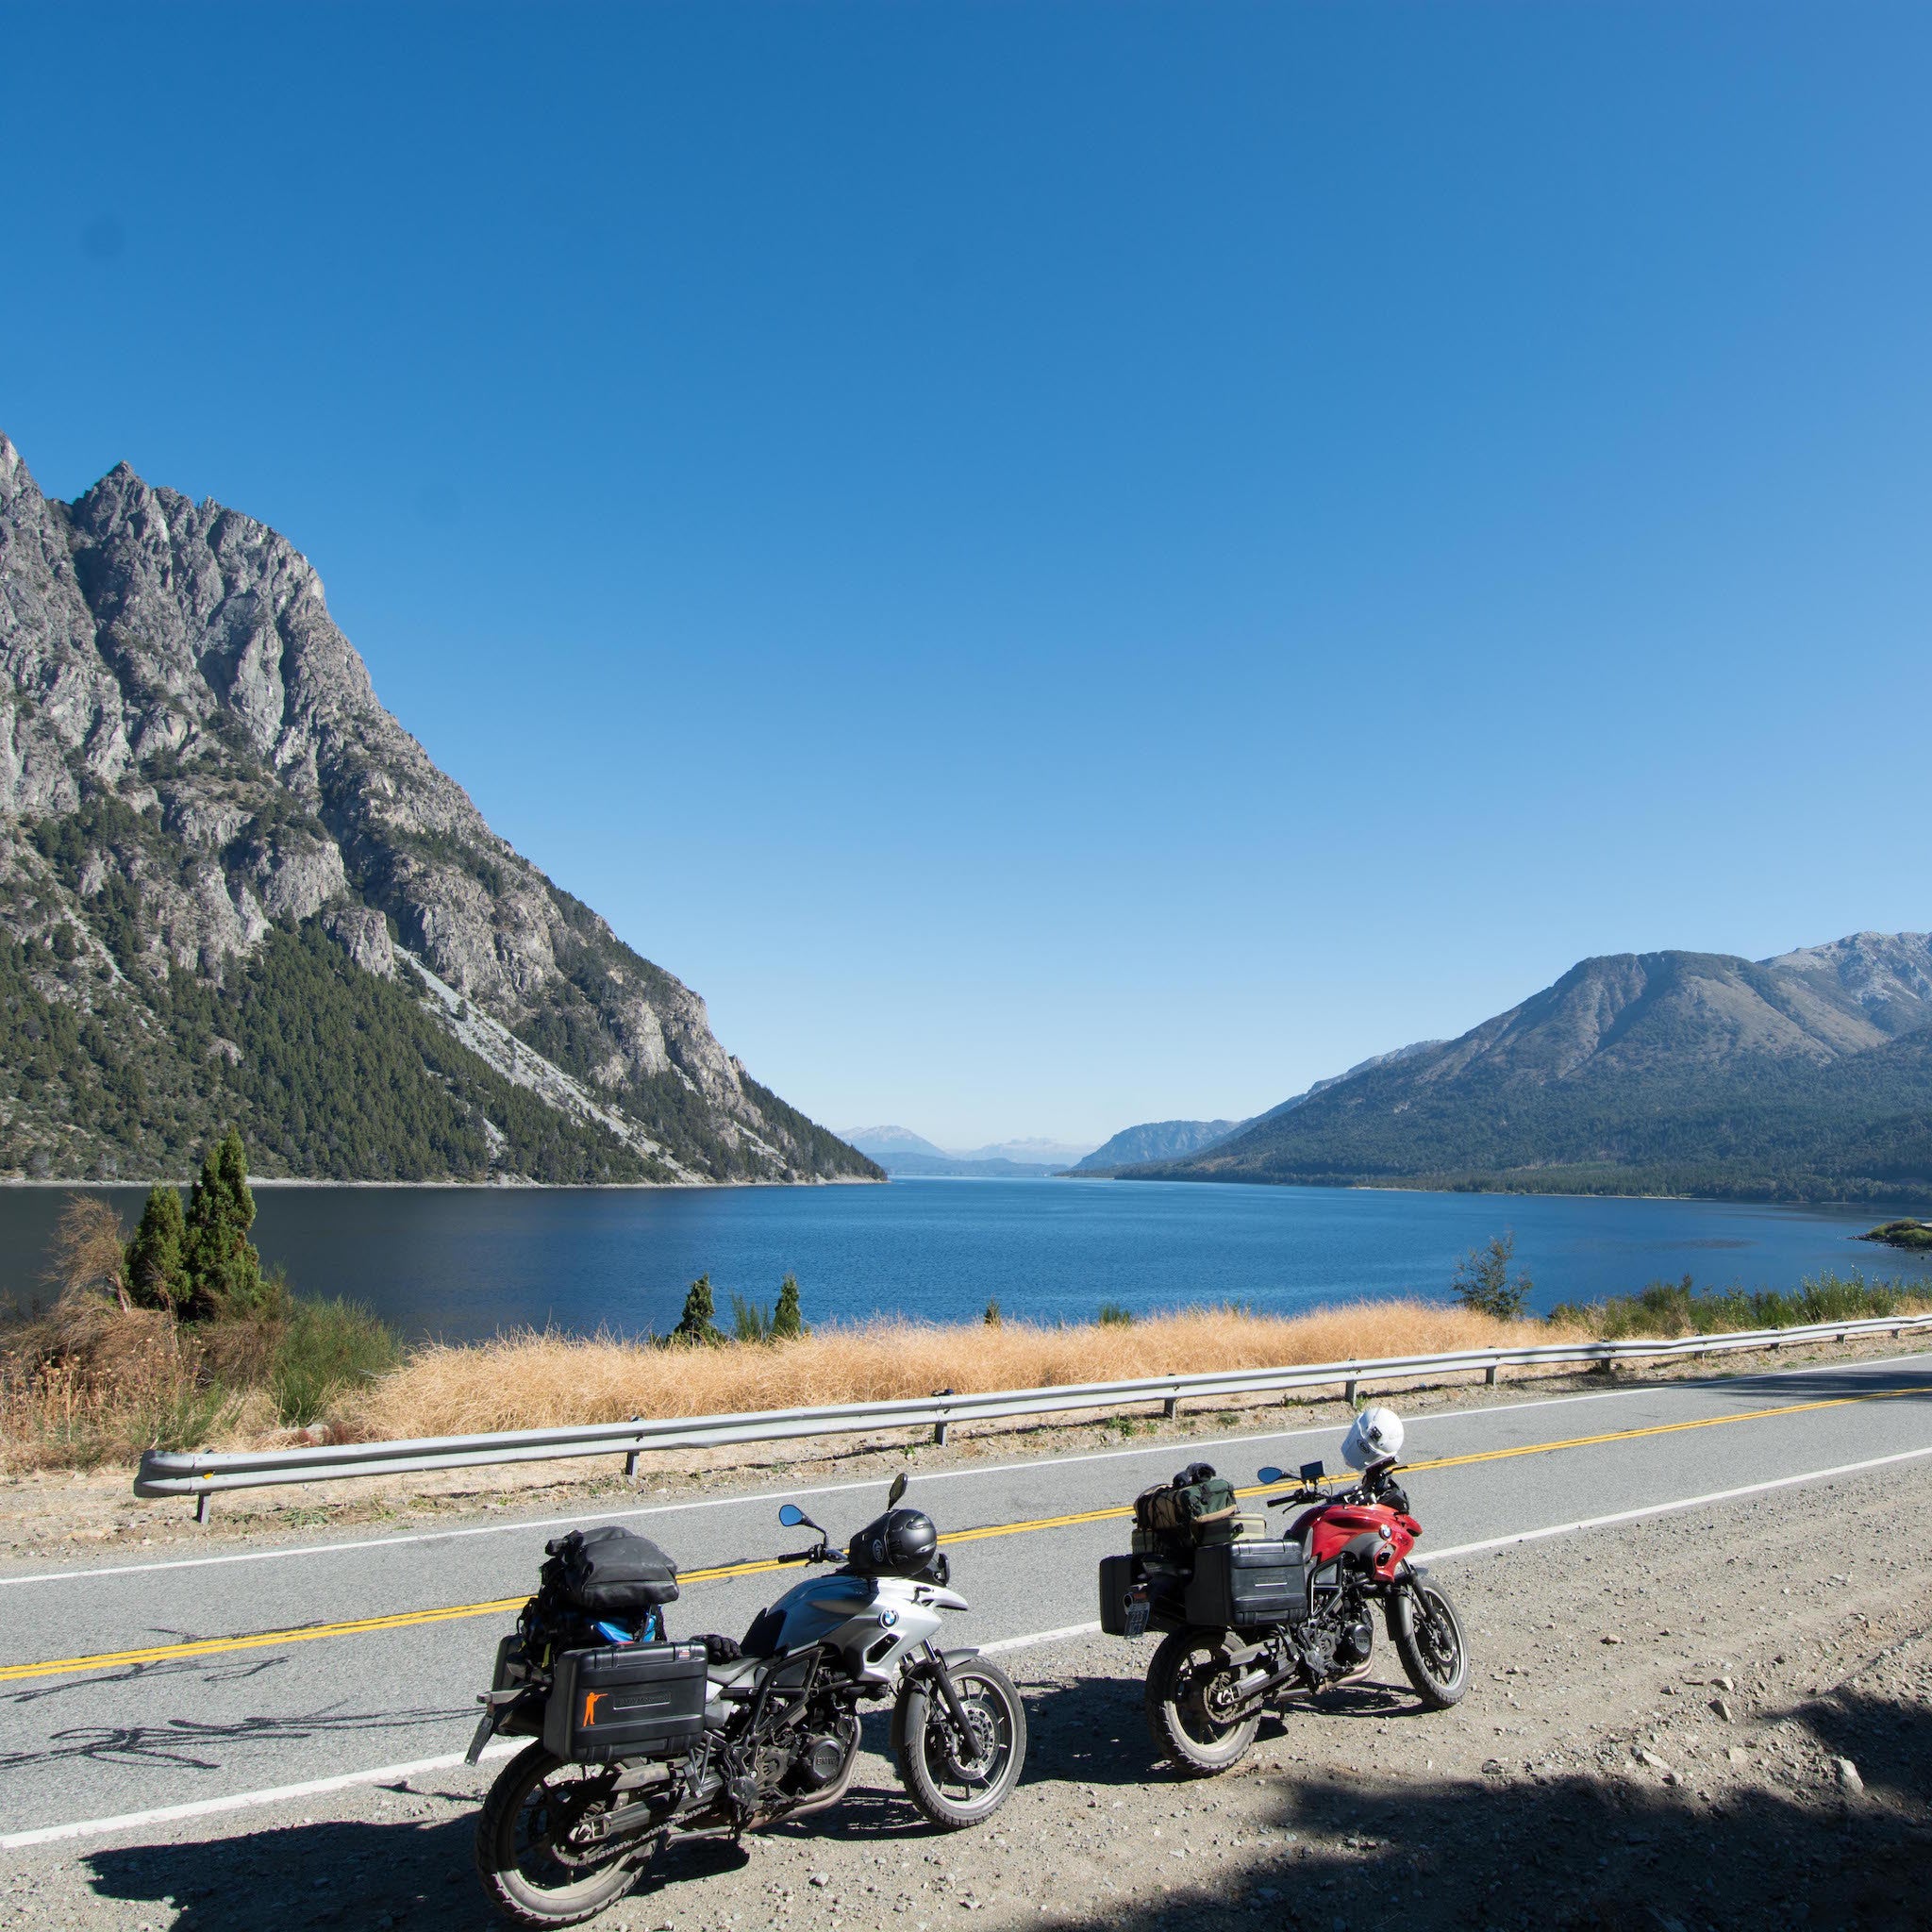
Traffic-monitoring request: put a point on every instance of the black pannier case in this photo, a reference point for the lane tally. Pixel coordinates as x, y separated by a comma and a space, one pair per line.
1239, 1584
1118, 1575
609, 1572
626, 1700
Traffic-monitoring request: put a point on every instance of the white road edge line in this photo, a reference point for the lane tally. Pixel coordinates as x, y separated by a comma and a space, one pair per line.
1781, 1482
936, 1475
1038, 1637
243, 1801
390, 1773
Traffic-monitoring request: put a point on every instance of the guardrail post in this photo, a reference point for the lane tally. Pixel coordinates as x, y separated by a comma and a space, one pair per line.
1490, 1373
939, 1429
1171, 1407
1348, 1389
630, 1459
204, 1506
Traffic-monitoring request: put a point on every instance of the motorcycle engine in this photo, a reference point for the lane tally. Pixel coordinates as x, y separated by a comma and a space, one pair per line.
800, 1765
1354, 1641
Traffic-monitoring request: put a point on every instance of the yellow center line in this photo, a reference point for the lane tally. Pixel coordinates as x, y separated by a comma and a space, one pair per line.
269, 1640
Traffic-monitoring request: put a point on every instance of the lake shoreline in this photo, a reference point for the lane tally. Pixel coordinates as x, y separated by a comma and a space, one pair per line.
520, 1186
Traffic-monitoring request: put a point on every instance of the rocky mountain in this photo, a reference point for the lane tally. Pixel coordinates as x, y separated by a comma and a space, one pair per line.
1164, 1140
882, 1143
1804, 1077
232, 887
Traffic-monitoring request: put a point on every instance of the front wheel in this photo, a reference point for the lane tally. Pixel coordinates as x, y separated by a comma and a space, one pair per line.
536, 1852
959, 1782
1429, 1639
1191, 1694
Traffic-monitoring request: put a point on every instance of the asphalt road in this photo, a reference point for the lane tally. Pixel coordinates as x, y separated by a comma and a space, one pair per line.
95, 1726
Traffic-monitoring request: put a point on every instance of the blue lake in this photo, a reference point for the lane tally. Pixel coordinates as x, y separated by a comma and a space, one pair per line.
462, 1263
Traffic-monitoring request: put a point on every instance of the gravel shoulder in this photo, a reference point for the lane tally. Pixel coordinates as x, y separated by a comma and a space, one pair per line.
1710, 1720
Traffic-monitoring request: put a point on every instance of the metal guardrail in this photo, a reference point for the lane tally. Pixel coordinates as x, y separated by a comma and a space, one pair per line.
204, 1474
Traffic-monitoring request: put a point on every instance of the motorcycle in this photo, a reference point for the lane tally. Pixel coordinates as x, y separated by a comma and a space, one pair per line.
639, 1738
1249, 1622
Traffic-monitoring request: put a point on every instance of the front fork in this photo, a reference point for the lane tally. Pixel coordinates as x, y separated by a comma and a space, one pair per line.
932, 1668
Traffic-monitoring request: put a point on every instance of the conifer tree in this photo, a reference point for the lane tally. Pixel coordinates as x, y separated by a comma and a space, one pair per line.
156, 1273
224, 1269
787, 1319
698, 1323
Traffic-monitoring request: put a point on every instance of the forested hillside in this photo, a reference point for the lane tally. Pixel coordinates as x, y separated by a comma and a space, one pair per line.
1804, 1077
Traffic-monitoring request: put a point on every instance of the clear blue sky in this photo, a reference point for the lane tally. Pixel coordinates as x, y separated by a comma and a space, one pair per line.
1063, 565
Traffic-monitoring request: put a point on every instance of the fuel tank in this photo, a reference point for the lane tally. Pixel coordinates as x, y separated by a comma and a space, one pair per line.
812, 1610
1329, 1528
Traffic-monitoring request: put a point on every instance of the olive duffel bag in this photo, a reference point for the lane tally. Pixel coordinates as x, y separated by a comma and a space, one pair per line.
1196, 1508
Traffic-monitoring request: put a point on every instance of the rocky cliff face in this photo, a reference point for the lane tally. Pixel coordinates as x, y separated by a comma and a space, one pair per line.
192, 758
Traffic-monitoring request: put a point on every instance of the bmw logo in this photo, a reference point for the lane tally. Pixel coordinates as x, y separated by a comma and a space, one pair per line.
888, 1618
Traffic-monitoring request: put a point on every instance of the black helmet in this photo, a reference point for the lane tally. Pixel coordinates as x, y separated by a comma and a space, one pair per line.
899, 1543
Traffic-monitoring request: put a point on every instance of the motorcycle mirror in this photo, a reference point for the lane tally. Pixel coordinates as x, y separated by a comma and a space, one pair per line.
897, 1491
1312, 1471
1268, 1473
790, 1515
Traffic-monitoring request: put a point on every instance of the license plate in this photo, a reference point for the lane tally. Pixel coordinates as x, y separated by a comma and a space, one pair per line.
1138, 1613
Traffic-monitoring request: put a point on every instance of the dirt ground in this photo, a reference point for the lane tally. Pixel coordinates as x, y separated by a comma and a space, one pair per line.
53, 1518
1711, 1719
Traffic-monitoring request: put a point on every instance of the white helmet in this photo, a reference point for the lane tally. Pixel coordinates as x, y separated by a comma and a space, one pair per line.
1375, 1436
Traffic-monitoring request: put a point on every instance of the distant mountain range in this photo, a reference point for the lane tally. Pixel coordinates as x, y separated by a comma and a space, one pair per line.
234, 890
1169, 1140
900, 1151
1806, 1076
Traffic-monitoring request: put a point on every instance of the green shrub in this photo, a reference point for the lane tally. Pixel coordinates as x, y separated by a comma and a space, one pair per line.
1669, 1308
325, 1347
788, 1318
992, 1314
224, 1269
1483, 1281
1113, 1315
698, 1325
156, 1274
749, 1323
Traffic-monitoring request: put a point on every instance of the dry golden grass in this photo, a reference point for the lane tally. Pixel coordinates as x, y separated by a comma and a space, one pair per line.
92, 1382
537, 1380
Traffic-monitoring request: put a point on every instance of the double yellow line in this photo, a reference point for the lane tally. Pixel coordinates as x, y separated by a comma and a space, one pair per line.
409, 1619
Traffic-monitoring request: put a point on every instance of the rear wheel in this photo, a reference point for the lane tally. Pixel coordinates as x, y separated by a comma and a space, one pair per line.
1190, 1694
1429, 1639
536, 1852
956, 1781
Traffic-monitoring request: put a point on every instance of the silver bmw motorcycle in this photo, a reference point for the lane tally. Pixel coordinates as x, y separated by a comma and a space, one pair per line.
637, 1738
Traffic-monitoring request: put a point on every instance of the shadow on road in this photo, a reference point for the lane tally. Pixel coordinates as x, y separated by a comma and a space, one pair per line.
190, 1744
1514, 1848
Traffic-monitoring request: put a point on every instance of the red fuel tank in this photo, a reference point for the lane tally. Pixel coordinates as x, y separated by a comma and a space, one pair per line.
1329, 1528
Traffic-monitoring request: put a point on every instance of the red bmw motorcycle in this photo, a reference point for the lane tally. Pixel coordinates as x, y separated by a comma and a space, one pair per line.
1254, 1621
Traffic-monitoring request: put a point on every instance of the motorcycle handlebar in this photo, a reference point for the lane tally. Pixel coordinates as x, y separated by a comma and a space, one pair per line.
819, 1553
